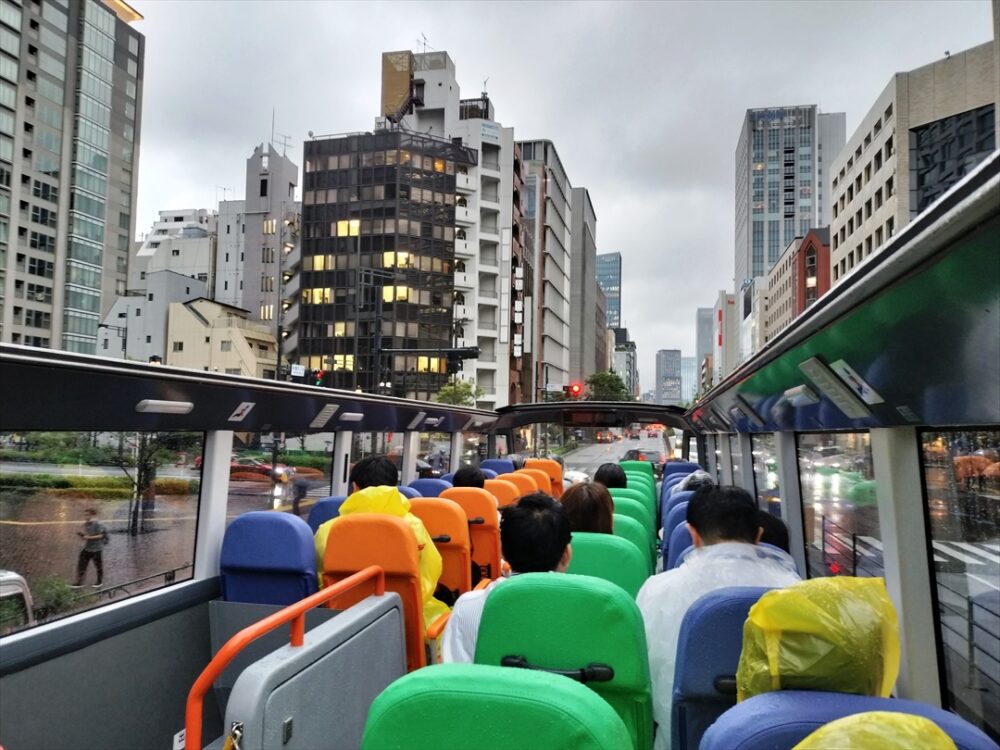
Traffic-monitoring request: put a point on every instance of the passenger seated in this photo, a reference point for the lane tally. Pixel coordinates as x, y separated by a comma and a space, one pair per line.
724, 531
611, 476
374, 483
589, 507
774, 530
534, 538
692, 482
469, 476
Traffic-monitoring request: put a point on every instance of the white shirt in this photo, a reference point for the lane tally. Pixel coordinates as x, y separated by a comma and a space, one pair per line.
665, 598
458, 642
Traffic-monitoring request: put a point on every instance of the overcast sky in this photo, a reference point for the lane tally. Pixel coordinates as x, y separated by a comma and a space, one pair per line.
644, 102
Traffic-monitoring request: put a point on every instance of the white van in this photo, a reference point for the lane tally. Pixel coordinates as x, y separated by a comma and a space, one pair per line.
19, 613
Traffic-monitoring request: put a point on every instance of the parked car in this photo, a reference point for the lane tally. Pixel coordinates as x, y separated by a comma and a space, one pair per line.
16, 606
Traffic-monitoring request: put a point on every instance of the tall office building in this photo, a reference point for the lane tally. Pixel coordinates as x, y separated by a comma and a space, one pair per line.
782, 174
609, 276
927, 129
70, 109
689, 378
703, 332
585, 322
668, 377
626, 361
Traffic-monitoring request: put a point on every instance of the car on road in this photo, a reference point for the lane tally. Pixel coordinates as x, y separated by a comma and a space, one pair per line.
572, 476
657, 458
605, 437
635, 435
16, 606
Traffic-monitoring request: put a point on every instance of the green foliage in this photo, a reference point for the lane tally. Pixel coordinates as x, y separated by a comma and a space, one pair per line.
459, 393
52, 596
49, 481
607, 386
318, 461
176, 486
94, 493
11, 615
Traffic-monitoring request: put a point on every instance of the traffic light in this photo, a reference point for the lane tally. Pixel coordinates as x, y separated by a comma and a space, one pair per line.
318, 377
573, 390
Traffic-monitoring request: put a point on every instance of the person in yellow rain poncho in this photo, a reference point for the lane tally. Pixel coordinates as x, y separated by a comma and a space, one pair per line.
373, 485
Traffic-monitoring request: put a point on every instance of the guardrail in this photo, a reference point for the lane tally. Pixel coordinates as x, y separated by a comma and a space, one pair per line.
295, 613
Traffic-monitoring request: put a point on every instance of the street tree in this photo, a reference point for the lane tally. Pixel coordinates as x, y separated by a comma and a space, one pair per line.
459, 393
607, 386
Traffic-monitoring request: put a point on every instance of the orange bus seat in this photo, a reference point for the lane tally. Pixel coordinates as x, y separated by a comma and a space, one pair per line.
524, 483
551, 467
484, 526
541, 479
362, 539
506, 493
445, 519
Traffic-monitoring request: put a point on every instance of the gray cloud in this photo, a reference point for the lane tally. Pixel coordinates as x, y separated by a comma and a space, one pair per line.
643, 100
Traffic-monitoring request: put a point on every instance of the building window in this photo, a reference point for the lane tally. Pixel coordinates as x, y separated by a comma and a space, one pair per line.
178, 346
270, 225
263, 187
225, 345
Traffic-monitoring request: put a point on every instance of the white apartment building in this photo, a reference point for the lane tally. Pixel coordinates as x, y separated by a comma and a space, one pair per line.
726, 341
927, 128
182, 241
230, 253
205, 335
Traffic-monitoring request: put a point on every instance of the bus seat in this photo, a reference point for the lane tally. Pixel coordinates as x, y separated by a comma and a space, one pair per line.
325, 510
499, 465
429, 487
459, 706
676, 499
488, 473
641, 467
551, 467
524, 483
609, 557
362, 539
505, 492
670, 483
636, 510
680, 540
267, 558
708, 652
449, 477
408, 492
785, 717
568, 623
445, 519
639, 496
480, 509
643, 484
679, 467
541, 479
677, 515
630, 529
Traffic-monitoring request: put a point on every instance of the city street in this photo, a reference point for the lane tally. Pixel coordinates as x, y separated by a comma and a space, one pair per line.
590, 456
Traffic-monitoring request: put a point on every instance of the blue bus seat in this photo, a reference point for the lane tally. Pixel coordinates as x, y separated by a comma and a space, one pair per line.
680, 540
679, 467
499, 465
267, 558
669, 484
489, 473
429, 487
708, 652
470, 706
408, 492
449, 477
324, 510
676, 516
786, 717
668, 504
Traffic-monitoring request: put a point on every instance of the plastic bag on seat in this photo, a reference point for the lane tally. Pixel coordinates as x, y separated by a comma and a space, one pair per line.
833, 634
878, 730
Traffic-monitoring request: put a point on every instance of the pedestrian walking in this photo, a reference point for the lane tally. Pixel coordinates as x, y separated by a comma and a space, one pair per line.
94, 536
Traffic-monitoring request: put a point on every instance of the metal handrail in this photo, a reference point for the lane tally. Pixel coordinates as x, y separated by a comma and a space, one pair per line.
295, 613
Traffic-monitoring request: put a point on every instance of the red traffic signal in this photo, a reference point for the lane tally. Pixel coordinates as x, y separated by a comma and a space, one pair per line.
318, 377
573, 390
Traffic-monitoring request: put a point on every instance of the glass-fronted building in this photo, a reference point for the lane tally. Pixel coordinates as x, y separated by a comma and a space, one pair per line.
609, 278
378, 255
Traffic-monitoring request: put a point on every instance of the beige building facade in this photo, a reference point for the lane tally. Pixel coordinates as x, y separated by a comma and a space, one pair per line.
207, 335
874, 191
781, 291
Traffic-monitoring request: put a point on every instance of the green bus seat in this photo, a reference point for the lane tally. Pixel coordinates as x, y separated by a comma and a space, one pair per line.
642, 467
640, 482
567, 623
630, 529
473, 707
635, 509
609, 557
640, 496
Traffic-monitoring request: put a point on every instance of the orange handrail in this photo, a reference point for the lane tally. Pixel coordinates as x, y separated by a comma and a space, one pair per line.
296, 613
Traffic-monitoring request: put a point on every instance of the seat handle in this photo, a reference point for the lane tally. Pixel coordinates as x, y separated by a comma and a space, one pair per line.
725, 684
477, 520
593, 672
441, 539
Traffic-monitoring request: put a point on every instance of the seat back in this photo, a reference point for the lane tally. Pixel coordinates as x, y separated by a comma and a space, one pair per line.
680, 540
463, 706
643, 484
708, 652
552, 468
324, 510
408, 492
677, 514
676, 499
480, 509
429, 487
524, 483
639, 496
786, 717
641, 467
567, 623
609, 557
670, 482
630, 529
636, 511
679, 467
449, 477
362, 539
488, 473
541, 479
505, 492
267, 558
445, 519
499, 465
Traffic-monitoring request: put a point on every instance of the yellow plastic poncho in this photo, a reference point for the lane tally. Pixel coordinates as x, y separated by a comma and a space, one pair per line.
389, 501
878, 730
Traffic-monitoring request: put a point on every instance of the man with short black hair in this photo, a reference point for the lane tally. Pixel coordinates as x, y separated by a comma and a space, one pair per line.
534, 538
469, 476
724, 530
374, 471
611, 476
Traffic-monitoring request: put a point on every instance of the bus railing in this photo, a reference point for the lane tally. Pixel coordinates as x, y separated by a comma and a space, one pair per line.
295, 614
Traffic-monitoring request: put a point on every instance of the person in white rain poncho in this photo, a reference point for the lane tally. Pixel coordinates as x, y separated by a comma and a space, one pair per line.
692, 481
723, 524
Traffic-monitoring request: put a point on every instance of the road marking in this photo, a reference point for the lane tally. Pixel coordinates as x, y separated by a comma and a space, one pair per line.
977, 550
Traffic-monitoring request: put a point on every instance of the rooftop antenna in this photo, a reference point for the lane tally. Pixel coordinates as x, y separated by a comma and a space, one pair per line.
422, 42
283, 139
484, 86
947, 53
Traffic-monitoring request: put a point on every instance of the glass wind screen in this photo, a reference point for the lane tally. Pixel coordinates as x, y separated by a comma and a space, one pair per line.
765, 473
736, 457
